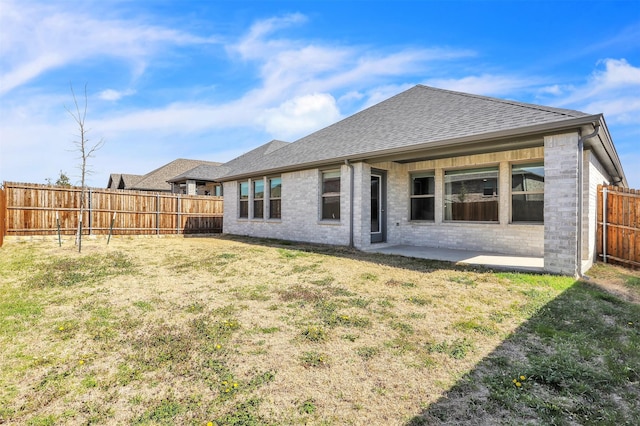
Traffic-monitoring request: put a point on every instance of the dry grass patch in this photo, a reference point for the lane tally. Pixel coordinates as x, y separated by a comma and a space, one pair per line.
248, 332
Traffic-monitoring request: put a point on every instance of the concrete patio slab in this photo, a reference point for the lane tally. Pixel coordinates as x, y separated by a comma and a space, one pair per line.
489, 260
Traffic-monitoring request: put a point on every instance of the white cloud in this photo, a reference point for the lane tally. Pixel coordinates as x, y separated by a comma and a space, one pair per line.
297, 85
290, 68
555, 90
253, 46
623, 109
485, 84
614, 91
618, 72
299, 116
38, 38
183, 118
115, 95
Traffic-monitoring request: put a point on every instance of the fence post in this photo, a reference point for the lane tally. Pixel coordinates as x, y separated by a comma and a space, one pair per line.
3, 213
604, 224
89, 212
58, 225
158, 214
178, 215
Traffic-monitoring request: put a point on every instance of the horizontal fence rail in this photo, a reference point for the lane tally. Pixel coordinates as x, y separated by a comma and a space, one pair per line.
33, 209
618, 237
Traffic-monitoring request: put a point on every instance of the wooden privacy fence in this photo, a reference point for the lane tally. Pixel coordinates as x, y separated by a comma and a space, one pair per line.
3, 213
619, 225
32, 209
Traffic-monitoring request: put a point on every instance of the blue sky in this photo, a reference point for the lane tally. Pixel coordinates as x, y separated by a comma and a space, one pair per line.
211, 80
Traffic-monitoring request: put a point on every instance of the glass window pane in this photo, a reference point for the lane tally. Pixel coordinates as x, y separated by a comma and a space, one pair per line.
330, 182
244, 208
258, 209
529, 180
330, 207
258, 189
274, 209
423, 185
471, 195
422, 208
375, 216
527, 207
244, 190
276, 187
527, 177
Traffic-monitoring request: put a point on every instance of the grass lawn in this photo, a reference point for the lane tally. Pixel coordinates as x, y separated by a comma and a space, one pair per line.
234, 331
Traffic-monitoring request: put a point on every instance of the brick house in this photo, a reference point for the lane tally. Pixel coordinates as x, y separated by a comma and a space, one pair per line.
160, 179
436, 168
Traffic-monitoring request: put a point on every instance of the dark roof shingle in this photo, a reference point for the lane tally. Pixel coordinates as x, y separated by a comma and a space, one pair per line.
156, 180
418, 116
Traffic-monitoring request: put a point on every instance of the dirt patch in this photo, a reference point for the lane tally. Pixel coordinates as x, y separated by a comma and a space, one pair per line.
619, 281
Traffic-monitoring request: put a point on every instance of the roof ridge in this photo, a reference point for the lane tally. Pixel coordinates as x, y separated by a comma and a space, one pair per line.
275, 145
545, 108
172, 162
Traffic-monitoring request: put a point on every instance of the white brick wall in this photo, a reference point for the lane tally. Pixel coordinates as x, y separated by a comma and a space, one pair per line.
556, 240
300, 211
561, 203
594, 175
501, 237
362, 212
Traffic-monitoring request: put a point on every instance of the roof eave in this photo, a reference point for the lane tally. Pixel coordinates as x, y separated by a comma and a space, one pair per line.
602, 145
185, 178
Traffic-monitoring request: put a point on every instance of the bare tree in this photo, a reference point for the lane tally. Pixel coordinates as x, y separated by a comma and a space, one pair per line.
85, 150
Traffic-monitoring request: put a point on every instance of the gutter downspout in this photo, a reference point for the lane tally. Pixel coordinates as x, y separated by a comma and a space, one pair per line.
581, 193
351, 186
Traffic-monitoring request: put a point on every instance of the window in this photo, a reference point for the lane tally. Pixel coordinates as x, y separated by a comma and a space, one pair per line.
471, 195
275, 194
527, 192
258, 198
331, 195
244, 199
422, 196
217, 190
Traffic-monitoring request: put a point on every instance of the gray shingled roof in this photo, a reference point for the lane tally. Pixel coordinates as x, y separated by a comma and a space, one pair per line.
417, 117
213, 173
202, 172
255, 157
114, 181
128, 180
156, 180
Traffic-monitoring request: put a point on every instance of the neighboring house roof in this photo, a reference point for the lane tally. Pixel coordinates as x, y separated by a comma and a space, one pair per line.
114, 181
127, 180
213, 173
156, 180
205, 172
420, 118
122, 180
